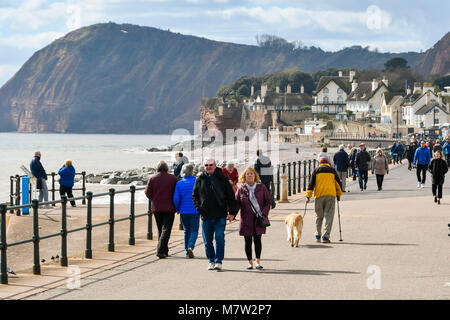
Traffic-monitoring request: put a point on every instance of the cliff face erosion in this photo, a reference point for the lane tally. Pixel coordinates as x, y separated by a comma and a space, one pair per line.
110, 78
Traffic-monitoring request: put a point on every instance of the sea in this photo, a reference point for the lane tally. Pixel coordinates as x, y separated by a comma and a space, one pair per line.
93, 153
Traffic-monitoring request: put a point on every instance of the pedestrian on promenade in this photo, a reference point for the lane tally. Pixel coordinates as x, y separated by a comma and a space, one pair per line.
214, 199
349, 148
380, 167
231, 173
395, 151
326, 187
253, 199
362, 165
38, 171
341, 163
410, 151
401, 152
437, 146
438, 169
180, 160
446, 150
324, 154
67, 180
182, 199
352, 159
160, 190
429, 145
421, 161
263, 167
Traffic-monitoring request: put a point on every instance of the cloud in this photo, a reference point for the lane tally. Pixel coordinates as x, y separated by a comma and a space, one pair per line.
31, 41
7, 71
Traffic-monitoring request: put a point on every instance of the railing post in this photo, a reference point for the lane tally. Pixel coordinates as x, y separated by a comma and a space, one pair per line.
132, 241
278, 182
304, 174
289, 179
64, 261
18, 194
111, 219
84, 187
36, 239
299, 176
11, 192
314, 163
53, 188
150, 221
294, 164
3, 271
88, 252
309, 170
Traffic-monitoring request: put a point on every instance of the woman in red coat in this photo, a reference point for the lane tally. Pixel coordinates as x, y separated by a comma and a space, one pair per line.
253, 199
232, 175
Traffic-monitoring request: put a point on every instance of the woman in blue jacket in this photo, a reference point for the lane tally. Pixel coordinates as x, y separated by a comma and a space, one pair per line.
67, 180
182, 199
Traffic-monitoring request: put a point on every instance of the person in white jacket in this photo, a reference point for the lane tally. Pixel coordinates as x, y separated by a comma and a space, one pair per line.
324, 154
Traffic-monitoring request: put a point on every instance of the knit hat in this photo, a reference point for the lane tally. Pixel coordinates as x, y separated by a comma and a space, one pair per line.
323, 160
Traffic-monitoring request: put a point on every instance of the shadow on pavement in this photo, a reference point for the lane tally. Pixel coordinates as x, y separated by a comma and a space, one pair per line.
296, 272
316, 246
379, 244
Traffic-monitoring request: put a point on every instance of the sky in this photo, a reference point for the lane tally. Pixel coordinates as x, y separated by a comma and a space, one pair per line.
387, 25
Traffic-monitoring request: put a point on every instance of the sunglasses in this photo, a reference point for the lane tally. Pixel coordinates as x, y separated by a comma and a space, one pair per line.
209, 165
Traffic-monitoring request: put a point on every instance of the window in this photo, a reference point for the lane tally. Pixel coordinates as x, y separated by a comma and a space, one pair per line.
436, 121
340, 91
325, 90
326, 110
340, 99
340, 109
325, 100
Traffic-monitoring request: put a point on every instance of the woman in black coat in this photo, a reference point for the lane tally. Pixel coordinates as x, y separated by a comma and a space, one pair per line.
438, 168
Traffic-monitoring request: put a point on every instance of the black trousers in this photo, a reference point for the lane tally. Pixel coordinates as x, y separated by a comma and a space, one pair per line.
380, 178
422, 172
164, 221
248, 247
437, 186
66, 190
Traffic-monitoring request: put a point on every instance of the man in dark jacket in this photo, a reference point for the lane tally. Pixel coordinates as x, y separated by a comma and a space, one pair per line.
263, 166
38, 171
160, 189
341, 163
410, 151
214, 199
362, 165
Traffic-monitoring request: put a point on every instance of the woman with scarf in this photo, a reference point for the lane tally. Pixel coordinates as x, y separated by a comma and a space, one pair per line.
253, 199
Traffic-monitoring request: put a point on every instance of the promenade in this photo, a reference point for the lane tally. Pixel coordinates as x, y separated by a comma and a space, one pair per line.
395, 246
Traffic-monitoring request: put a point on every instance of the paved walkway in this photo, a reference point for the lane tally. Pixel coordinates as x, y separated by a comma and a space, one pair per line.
395, 242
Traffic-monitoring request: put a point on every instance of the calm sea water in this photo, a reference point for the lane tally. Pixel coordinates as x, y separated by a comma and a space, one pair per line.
93, 153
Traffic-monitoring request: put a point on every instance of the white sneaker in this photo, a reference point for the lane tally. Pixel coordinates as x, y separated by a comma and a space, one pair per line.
422, 185
218, 266
418, 184
211, 266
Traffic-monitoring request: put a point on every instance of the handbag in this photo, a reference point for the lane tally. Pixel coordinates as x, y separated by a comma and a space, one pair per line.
261, 220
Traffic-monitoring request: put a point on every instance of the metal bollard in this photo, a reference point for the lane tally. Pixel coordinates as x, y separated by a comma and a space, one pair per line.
37, 263
299, 176
3, 271
132, 241
63, 261
309, 169
88, 252
278, 182
111, 219
289, 179
11, 192
53, 188
304, 174
18, 194
150, 221
294, 164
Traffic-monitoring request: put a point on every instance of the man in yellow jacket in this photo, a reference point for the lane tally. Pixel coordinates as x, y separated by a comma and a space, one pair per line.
326, 186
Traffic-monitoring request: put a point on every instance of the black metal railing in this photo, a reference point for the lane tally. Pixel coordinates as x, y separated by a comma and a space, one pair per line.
15, 189
35, 240
357, 136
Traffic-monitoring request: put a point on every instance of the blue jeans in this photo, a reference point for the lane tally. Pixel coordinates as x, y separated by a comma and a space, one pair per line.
363, 177
210, 229
191, 223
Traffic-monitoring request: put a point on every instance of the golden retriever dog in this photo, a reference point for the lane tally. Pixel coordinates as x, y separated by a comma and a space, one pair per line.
294, 226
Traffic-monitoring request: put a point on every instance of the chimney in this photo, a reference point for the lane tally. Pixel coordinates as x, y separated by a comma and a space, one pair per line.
439, 99
263, 90
408, 91
427, 97
288, 89
385, 81
354, 85
417, 88
352, 75
374, 84
428, 86
277, 89
252, 91
340, 74
302, 88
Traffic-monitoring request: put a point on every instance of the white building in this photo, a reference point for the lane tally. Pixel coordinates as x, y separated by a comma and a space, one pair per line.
331, 93
366, 97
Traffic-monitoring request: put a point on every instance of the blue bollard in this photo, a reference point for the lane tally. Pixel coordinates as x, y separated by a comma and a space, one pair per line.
25, 194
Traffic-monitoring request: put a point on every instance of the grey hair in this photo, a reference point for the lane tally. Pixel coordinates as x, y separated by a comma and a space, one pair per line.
188, 170
162, 166
341, 147
211, 160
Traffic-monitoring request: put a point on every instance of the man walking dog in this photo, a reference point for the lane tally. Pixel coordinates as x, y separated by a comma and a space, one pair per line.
326, 187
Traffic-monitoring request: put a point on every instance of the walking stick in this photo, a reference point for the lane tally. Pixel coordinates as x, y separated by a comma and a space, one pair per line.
306, 203
339, 218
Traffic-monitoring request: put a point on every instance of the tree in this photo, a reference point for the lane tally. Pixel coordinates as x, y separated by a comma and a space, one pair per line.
224, 91
442, 82
272, 41
396, 63
244, 91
